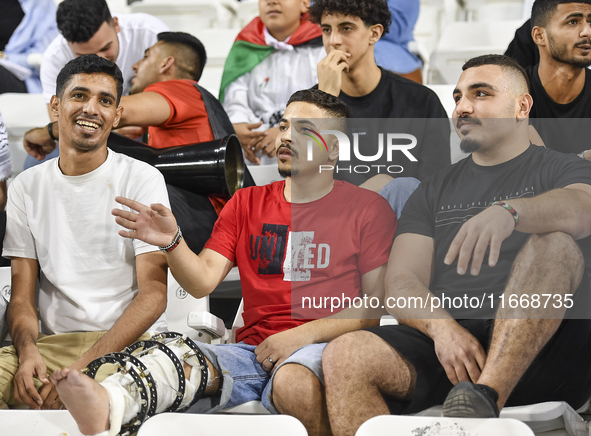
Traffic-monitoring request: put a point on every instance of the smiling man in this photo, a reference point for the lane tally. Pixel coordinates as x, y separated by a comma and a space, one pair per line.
487, 328
87, 27
166, 100
97, 293
277, 355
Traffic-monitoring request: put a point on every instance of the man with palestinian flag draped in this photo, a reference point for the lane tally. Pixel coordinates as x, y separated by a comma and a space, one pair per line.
275, 55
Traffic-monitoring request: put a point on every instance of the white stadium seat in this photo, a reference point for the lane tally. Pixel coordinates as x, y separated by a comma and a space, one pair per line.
38, 423
118, 7
461, 41
184, 311
247, 10
21, 112
436, 426
218, 43
555, 418
429, 25
493, 10
187, 15
221, 425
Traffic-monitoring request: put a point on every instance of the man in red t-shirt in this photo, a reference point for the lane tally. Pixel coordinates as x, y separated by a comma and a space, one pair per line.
163, 98
306, 236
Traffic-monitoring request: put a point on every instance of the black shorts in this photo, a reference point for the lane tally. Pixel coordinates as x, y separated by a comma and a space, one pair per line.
560, 372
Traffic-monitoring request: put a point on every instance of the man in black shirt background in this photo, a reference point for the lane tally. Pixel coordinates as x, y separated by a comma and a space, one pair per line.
475, 242
349, 71
561, 82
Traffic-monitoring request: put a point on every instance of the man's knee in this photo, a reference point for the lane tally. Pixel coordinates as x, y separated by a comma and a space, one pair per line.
344, 355
293, 384
556, 248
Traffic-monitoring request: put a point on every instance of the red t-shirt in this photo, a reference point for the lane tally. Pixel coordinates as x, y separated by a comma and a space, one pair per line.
333, 242
188, 122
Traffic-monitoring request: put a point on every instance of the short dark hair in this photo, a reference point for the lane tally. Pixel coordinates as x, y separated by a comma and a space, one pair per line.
505, 62
193, 58
543, 10
327, 102
369, 11
89, 64
79, 20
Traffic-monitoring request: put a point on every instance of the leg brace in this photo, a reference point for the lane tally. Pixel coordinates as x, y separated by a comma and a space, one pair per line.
150, 379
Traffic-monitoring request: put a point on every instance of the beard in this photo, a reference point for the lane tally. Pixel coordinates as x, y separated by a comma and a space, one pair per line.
469, 145
288, 172
559, 53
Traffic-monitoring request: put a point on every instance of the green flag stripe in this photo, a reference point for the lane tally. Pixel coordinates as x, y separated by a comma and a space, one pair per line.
243, 57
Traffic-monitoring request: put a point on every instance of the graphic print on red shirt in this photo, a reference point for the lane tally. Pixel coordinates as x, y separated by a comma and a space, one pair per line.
318, 248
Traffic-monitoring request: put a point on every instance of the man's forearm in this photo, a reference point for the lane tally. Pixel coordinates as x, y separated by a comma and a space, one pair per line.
197, 274
137, 318
23, 325
561, 210
23, 321
418, 316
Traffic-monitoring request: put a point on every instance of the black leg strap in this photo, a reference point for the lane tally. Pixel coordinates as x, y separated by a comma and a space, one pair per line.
147, 404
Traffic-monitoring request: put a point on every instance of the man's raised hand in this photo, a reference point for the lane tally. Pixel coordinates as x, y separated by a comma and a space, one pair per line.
330, 71
154, 225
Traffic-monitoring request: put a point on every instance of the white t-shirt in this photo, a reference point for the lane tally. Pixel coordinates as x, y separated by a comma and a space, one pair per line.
88, 274
138, 32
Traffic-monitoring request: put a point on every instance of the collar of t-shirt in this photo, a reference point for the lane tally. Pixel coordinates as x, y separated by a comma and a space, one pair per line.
557, 107
277, 45
511, 163
83, 178
371, 97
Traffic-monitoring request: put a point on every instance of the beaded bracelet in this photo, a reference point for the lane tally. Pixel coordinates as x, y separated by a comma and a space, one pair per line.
175, 242
509, 208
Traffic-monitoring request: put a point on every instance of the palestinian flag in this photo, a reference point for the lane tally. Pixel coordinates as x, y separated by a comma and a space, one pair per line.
250, 49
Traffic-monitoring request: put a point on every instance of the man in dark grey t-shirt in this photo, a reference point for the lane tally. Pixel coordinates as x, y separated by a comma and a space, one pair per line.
499, 331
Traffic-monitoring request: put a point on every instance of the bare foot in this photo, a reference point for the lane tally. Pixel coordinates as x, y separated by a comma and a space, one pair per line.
86, 400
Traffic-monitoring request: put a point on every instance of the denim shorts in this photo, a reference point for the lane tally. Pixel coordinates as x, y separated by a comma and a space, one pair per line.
244, 379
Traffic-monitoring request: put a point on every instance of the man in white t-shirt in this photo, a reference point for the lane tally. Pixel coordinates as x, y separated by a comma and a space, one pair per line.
97, 293
86, 27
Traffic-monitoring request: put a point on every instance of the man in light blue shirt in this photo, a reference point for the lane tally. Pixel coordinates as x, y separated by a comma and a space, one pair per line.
391, 51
